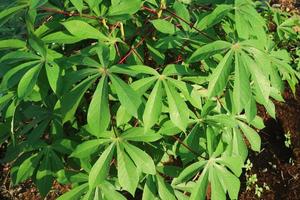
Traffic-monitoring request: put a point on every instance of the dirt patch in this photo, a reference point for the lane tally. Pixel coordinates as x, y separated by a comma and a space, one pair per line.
277, 166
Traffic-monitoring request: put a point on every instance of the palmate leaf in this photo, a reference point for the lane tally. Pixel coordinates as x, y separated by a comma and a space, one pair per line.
98, 116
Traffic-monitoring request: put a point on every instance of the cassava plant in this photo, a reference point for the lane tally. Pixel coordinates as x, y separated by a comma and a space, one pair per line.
147, 99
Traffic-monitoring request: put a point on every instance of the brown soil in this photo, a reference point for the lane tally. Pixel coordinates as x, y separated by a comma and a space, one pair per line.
278, 166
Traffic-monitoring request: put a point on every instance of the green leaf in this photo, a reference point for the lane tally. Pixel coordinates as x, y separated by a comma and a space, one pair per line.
83, 30
13, 76
189, 171
230, 182
74, 193
98, 116
209, 50
178, 110
150, 190
128, 176
164, 26
261, 82
78, 4
44, 178
182, 12
176, 69
60, 37
241, 89
140, 135
216, 16
220, 75
9, 11
12, 44
101, 168
28, 81
127, 96
234, 163
54, 76
71, 100
168, 128
200, 190
27, 168
251, 135
122, 7
110, 192
153, 106
217, 190
165, 191
140, 158
85, 149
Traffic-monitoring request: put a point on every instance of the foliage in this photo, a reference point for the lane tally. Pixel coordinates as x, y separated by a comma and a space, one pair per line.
150, 98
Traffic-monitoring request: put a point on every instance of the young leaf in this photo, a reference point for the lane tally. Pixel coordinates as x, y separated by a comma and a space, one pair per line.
98, 116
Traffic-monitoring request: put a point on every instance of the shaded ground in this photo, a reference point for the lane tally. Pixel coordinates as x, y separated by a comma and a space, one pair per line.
277, 166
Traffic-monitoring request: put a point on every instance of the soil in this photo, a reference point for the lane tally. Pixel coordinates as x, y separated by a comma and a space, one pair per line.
277, 166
